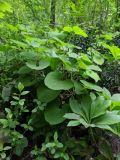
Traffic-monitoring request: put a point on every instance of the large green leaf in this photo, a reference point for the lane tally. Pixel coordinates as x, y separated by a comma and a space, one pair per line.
54, 81
92, 113
98, 107
107, 119
54, 114
83, 108
4, 6
24, 70
105, 149
115, 101
38, 120
11, 27
72, 116
93, 75
2, 15
92, 86
86, 107
45, 94
98, 59
115, 51
27, 81
75, 106
106, 93
42, 65
67, 29
94, 68
79, 89
79, 31
57, 34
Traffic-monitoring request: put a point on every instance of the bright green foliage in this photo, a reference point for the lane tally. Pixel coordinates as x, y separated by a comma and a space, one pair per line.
77, 30
41, 65
54, 56
4, 7
54, 81
92, 86
115, 51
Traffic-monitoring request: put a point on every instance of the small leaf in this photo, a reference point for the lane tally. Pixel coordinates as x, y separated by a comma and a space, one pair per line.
6, 93
24, 93
15, 97
59, 145
7, 148
71, 116
73, 123
20, 86
3, 155
21, 102
55, 136
50, 145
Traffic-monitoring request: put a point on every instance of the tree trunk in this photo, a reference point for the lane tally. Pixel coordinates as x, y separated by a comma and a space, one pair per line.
52, 17
118, 9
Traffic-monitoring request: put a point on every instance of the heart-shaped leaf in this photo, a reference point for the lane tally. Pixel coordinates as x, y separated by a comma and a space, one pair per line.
54, 114
45, 94
41, 65
54, 81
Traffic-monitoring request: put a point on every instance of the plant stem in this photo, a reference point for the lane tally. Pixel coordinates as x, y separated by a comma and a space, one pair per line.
92, 136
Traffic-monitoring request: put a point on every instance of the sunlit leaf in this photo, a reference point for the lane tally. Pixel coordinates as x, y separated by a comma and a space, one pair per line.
54, 81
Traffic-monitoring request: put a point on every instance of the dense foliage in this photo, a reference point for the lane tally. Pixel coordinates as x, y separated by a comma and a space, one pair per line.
60, 80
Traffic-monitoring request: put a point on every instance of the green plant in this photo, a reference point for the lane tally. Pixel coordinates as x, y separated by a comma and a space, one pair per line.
92, 112
55, 148
19, 102
11, 121
3, 150
53, 73
37, 154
